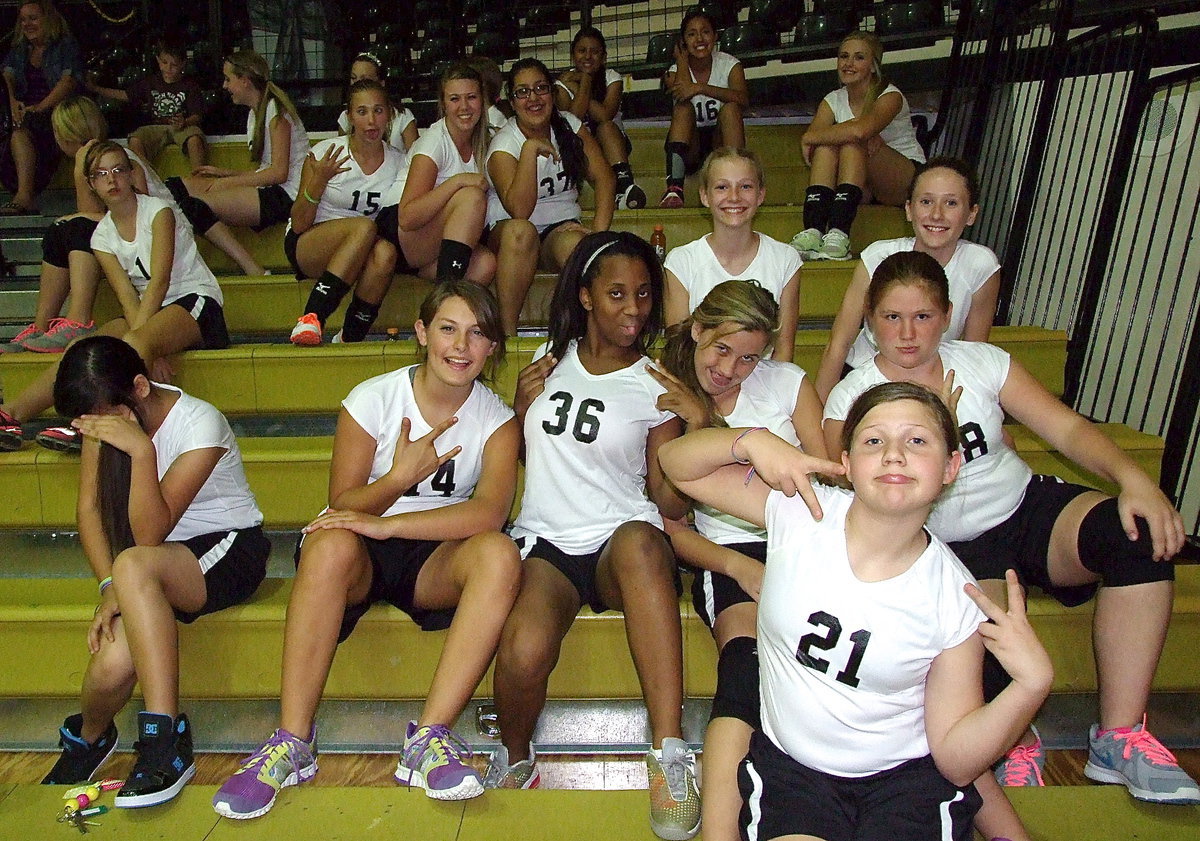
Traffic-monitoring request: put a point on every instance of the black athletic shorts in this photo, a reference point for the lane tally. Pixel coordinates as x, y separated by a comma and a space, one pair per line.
274, 206
234, 564
214, 335
712, 592
65, 236
912, 801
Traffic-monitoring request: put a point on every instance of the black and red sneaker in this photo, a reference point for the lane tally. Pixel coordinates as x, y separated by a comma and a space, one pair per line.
63, 439
10, 432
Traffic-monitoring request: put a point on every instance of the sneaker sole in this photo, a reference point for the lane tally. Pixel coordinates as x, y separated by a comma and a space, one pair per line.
10, 443
468, 788
58, 446
674, 833
293, 779
306, 340
138, 801
1182, 797
116, 743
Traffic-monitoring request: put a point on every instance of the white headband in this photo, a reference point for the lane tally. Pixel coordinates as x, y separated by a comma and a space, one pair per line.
595, 254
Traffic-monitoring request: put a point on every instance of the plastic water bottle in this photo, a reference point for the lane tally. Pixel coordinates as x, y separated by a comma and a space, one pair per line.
658, 241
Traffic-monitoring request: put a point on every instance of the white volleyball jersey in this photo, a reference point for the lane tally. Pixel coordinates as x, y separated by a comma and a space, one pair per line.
991, 483
154, 185
842, 662
189, 273
699, 270
436, 144
585, 454
705, 107
767, 398
968, 270
296, 153
898, 134
379, 405
354, 193
496, 119
556, 201
225, 500
402, 118
610, 77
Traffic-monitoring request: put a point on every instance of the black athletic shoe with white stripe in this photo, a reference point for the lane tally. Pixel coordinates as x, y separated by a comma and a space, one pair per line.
80, 759
164, 763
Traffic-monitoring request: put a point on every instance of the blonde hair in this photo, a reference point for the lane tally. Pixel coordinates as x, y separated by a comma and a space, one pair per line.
248, 64
469, 71
53, 24
737, 305
78, 119
725, 153
878, 81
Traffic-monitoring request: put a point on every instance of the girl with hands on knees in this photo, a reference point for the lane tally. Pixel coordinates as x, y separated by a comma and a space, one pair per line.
339, 231
1066, 539
942, 203
422, 478
860, 145
172, 532
278, 144
170, 300
867, 635
443, 189
592, 92
708, 91
732, 188
716, 373
590, 527
401, 129
536, 163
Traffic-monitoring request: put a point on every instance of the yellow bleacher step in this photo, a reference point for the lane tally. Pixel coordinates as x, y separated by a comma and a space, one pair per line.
236, 653
280, 378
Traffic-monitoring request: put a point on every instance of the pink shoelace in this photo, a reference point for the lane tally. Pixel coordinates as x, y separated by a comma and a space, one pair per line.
1142, 740
1020, 762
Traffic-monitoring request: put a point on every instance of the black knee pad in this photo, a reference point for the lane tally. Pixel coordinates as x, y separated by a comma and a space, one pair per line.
737, 682
65, 236
177, 188
198, 214
1106, 550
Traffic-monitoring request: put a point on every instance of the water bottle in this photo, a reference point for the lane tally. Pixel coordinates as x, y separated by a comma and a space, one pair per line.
658, 241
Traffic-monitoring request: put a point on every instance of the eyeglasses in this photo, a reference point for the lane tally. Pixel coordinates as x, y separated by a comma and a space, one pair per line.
540, 89
120, 169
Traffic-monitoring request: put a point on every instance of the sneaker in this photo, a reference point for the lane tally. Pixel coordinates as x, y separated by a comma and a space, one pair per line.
337, 338
835, 245
674, 798
807, 242
500, 774
1141, 763
283, 760
63, 439
633, 198
432, 759
307, 331
80, 759
1022, 766
61, 333
672, 198
10, 432
164, 763
17, 343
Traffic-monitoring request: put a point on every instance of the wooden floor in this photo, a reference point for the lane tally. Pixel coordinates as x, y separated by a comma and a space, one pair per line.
1063, 768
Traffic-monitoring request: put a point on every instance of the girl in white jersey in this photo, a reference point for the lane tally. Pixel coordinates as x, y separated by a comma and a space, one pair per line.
401, 129
169, 299
443, 190
870, 648
592, 92
1066, 539
422, 478
590, 527
732, 188
338, 232
861, 142
708, 91
718, 377
172, 532
278, 144
942, 202
68, 265
536, 163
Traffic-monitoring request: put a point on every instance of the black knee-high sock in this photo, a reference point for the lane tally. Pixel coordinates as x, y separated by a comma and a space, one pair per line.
817, 202
624, 173
676, 164
845, 207
453, 259
327, 293
360, 315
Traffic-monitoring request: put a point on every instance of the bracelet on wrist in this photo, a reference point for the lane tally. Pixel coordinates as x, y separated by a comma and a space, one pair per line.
105, 584
733, 446
309, 198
